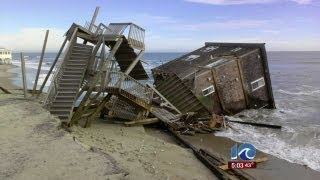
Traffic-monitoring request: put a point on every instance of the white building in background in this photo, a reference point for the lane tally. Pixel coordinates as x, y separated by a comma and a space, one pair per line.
5, 56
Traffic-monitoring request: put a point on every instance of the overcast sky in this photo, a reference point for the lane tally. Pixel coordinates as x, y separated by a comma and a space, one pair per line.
171, 25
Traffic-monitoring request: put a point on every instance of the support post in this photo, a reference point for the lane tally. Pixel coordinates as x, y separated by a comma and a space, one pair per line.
24, 79
97, 110
40, 63
53, 64
94, 17
133, 64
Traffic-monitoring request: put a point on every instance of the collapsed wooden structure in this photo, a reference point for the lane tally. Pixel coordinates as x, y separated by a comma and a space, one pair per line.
225, 78
105, 82
219, 78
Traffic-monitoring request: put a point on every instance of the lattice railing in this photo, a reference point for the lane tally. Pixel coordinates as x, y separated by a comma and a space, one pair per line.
135, 35
133, 87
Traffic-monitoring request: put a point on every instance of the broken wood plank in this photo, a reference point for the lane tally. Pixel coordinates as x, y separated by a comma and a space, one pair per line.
142, 121
5, 90
257, 124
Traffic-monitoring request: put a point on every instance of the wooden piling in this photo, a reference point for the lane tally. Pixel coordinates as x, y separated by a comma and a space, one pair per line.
94, 17
53, 65
24, 79
40, 62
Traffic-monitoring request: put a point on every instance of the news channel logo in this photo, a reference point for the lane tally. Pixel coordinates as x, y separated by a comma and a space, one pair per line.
245, 152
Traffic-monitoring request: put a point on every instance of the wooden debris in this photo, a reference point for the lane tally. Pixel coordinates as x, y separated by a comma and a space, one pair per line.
257, 124
142, 122
5, 90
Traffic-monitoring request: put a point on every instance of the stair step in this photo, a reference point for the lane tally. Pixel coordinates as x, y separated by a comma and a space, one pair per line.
68, 88
80, 54
72, 64
70, 80
62, 104
65, 98
78, 60
72, 72
70, 75
74, 68
60, 108
65, 85
83, 49
63, 101
82, 46
60, 111
67, 92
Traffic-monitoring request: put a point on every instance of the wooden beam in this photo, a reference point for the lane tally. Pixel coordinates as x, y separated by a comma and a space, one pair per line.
142, 122
24, 79
217, 91
97, 110
40, 63
242, 83
52, 66
5, 90
94, 17
134, 63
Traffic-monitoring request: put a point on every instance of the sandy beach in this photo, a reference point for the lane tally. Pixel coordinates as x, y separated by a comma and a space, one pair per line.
33, 146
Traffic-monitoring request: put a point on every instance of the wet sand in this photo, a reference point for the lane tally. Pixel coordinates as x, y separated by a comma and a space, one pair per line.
274, 168
5, 77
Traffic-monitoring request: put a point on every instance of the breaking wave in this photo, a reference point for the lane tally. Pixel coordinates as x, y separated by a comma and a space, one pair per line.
285, 147
304, 93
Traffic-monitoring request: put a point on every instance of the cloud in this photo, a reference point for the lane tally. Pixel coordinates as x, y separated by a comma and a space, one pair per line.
239, 2
302, 1
229, 24
31, 39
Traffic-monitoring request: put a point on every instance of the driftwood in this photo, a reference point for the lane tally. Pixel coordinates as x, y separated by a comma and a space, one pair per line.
5, 90
258, 124
142, 122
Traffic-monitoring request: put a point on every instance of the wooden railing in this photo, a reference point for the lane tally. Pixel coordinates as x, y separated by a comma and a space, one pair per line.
135, 35
135, 90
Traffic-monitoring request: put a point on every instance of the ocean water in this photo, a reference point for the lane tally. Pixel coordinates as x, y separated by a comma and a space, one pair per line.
296, 86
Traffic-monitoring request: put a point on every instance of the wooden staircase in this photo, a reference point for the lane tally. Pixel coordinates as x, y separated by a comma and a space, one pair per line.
125, 55
69, 80
174, 90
